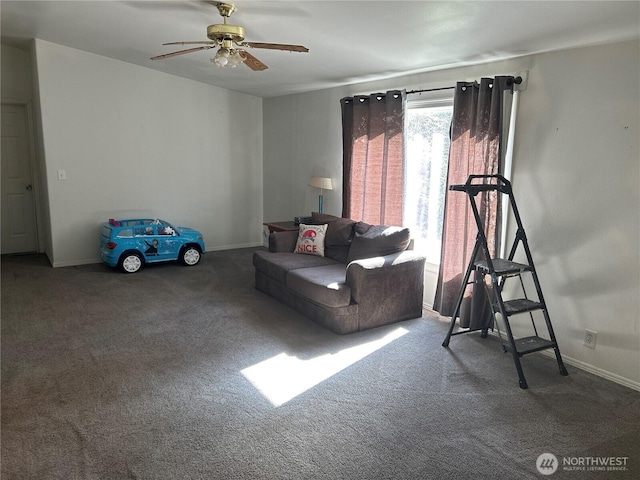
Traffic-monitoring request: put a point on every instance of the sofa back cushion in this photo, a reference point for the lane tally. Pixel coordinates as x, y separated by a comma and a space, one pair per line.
377, 241
339, 235
361, 228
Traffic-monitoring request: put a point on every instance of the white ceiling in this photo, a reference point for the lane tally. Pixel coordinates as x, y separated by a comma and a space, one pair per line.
348, 41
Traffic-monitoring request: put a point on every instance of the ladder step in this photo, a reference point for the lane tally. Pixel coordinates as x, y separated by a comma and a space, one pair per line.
530, 345
502, 267
521, 305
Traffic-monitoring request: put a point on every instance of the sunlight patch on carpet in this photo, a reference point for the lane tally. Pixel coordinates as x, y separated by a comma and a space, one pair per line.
284, 377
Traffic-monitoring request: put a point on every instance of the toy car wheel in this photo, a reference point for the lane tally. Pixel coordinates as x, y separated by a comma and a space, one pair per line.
130, 263
190, 256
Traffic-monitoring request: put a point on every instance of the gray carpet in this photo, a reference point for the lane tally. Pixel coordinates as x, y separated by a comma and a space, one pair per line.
147, 376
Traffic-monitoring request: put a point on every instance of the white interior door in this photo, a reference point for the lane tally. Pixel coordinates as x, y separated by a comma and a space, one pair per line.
18, 204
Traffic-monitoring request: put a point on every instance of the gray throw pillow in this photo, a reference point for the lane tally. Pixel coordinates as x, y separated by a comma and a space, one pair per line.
378, 241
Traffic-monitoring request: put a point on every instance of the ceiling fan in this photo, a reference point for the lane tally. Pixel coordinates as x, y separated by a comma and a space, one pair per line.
227, 37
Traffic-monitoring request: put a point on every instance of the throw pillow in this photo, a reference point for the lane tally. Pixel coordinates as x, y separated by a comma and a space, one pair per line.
378, 241
311, 239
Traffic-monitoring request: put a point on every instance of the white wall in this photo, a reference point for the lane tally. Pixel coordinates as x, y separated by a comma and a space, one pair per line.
135, 142
576, 179
300, 133
16, 83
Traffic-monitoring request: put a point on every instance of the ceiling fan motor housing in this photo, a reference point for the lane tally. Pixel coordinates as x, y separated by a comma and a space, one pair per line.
218, 33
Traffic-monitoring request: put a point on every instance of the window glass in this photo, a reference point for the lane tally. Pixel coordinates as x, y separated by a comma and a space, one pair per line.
125, 232
144, 230
426, 157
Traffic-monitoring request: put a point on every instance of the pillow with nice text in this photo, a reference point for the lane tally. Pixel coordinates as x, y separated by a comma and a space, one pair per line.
311, 239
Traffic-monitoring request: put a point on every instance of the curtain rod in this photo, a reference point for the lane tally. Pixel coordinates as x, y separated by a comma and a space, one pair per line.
516, 80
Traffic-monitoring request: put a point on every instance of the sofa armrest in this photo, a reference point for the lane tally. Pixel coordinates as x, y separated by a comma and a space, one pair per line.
283, 241
391, 286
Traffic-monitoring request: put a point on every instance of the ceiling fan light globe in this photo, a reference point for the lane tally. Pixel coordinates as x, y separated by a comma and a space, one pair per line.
235, 59
222, 57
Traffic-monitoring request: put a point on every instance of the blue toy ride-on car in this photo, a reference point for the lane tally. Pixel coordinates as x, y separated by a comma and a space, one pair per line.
129, 244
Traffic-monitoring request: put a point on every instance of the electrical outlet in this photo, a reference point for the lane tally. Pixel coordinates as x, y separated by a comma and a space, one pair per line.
590, 338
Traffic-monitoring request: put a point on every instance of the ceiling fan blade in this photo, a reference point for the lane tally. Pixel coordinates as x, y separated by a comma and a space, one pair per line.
191, 43
276, 46
252, 62
181, 52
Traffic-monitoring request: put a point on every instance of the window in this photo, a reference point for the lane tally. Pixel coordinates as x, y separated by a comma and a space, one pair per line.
426, 157
125, 232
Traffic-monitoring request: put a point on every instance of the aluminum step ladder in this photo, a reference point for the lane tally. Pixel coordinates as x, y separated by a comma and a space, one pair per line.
499, 271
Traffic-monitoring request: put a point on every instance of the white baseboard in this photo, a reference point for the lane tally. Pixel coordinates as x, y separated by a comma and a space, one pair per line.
232, 247
595, 370
589, 368
75, 263
634, 385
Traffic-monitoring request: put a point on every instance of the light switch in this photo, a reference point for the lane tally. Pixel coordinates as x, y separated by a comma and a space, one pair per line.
62, 175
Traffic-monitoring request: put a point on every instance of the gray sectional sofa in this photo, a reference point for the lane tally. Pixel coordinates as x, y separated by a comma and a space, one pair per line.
369, 276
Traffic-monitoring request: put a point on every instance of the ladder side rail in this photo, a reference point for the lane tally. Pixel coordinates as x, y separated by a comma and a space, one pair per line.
524, 291
521, 237
514, 351
514, 247
552, 335
545, 311
520, 234
536, 281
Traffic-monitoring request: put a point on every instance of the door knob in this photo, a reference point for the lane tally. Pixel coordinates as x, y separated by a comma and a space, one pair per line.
29, 187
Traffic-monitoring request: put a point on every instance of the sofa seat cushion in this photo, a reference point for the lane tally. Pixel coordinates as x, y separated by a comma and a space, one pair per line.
276, 265
323, 285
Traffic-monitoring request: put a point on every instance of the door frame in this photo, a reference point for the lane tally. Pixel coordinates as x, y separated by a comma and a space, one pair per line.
27, 105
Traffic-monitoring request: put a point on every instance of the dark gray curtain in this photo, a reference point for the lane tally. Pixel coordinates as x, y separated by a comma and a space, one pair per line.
476, 148
373, 157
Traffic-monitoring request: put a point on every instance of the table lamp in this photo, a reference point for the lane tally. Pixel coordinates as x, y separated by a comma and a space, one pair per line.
323, 183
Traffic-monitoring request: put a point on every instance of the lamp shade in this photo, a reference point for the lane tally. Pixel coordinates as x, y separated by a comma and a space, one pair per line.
323, 183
